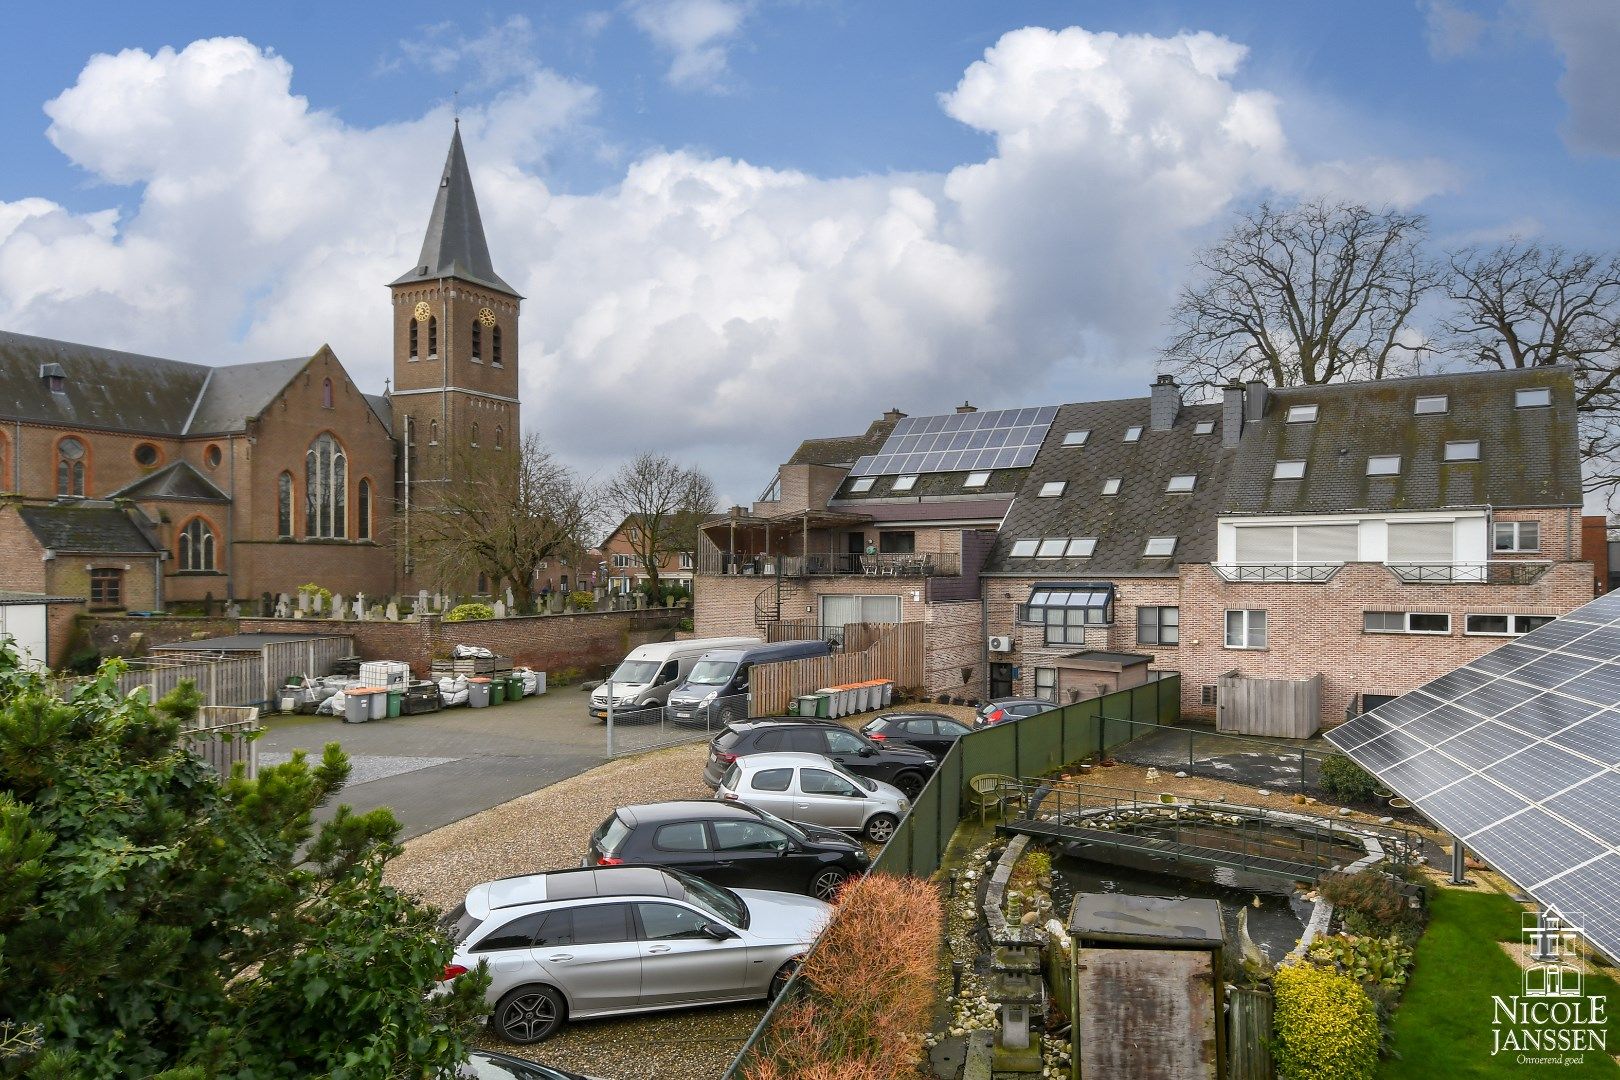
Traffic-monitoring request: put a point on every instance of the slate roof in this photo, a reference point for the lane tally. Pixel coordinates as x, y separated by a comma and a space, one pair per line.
105, 389
235, 393
1528, 457
842, 449
383, 408
180, 480
1121, 523
86, 528
454, 245
1002, 482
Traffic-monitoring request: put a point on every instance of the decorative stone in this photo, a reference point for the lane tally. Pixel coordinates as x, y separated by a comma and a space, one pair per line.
1386, 821
1344, 811
1182, 775
1263, 791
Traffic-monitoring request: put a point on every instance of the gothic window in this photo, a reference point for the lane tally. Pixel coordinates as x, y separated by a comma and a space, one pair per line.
362, 499
70, 459
433, 336
197, 546
495, 346
433, 433
475, 435
284, 505
413, 338
5, 465
326, 393
500, 437
325, 485
477, 342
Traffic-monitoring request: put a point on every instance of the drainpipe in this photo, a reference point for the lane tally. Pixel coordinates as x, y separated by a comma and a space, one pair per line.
984, 636
230, 527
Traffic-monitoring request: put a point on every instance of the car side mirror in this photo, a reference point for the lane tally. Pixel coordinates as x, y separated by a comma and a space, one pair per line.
718, 932
867, 751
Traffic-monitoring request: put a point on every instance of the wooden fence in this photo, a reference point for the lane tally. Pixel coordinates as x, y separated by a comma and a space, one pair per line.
1248, 1042
313, 657
221, 682
1281, 708
222, 735
892, 651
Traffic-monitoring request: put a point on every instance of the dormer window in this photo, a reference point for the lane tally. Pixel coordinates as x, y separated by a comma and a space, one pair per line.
55, 378
1182, 483
1431, 404
1133, 433
976, 480
1463, 450
1302, 414
861, 484
1024, 549
1111, 486
1384, 465
1052, 489
1288, 470
1076, 438
1532, 399
1159, 547
903, 483
1204, 427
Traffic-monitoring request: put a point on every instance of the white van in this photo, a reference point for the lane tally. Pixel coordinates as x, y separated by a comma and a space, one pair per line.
645, 677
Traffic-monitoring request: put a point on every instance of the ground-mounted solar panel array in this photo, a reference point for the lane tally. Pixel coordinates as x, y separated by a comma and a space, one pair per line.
1518, 753
960, 442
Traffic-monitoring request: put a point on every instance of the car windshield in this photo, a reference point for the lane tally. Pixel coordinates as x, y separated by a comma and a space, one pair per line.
457, 924
786, 826
481, 1067
712, 673
635, 672
723, 904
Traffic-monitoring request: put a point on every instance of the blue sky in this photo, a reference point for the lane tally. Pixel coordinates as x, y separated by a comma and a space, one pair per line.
796, 207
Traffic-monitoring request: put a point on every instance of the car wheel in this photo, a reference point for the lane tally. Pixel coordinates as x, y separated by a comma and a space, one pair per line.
881, 827
826, 883
528, 1014
779, 981
910, 785
728, 716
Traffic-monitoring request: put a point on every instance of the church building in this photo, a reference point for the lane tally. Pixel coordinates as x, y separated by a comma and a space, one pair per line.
140, 483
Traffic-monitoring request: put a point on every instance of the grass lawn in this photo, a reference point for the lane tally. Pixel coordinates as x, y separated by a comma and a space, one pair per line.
1443, 1028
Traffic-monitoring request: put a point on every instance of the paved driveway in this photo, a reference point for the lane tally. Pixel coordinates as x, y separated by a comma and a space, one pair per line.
440, 767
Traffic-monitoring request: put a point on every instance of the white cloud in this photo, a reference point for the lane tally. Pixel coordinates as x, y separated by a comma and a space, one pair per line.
1587, 33
502, 52
702, 305
698, 34
1452, 29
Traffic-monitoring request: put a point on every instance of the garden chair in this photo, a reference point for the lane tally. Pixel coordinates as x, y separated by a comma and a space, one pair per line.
996, 789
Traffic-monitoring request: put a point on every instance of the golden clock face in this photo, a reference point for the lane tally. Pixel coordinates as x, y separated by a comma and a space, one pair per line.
486, 316
423, 311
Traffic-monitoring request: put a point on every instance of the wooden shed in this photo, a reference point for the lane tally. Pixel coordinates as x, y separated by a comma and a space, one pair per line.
1281, 708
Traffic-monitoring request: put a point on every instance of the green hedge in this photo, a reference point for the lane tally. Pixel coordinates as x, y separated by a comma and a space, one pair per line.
1327, 1026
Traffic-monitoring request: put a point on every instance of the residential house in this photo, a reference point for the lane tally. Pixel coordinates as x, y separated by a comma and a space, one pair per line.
622, 566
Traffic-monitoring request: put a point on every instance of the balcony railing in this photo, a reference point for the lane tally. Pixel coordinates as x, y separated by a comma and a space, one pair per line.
1277, 572
832, 564
1485, 573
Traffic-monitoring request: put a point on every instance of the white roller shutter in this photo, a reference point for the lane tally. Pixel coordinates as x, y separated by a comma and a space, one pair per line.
1269, 544
1420, 542
1327, 543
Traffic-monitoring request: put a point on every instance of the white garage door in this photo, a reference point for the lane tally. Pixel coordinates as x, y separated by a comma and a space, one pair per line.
24, 625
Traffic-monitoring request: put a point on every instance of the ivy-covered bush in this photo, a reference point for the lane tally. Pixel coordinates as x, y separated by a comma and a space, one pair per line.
469, 612
1326, 1026
1344, 779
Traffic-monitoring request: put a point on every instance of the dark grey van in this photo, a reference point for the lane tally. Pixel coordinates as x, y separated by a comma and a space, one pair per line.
716, 689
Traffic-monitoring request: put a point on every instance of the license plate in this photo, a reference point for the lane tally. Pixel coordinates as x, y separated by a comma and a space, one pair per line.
683, 715
600, 714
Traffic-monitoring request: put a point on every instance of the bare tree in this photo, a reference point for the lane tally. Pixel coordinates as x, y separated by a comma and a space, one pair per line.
1521, 305
660, 504
510, 513
1311, 293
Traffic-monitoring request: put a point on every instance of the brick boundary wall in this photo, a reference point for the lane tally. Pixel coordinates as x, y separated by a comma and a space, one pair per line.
110, 634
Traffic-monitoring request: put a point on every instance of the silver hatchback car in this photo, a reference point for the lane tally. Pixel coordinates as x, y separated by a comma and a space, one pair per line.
815, 790
572, 944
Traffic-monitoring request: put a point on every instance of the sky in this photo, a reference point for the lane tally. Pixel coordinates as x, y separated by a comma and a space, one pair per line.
741, 223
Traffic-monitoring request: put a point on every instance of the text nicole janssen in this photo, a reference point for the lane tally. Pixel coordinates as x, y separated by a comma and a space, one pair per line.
1521, 1024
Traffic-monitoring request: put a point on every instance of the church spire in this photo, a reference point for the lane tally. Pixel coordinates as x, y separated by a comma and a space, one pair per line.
454, 246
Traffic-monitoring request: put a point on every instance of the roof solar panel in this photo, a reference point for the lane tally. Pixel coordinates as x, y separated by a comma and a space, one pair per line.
1390, 748
1592, 893
1542, 770
1546, 714
1472, 804
1456, 684
961, 442
1485, 744
1594, 806
1423, 775
1506, 659
1597, 738
1600, 685
1497, 697
1602, 644
1547, 671
1520, 842
1556, 634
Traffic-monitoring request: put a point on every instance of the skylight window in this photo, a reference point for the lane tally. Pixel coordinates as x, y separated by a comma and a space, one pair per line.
1436, 403
1530, 399
1111, 486
1302, 414
976, 480
1052, 549
1052, 489
1463, 450
1081, 547
1133, 433
1288, 470
1159, 547
1204, 427
1024, 549
1181, 483
863, 484
904, 483
1076, 438
1384, 465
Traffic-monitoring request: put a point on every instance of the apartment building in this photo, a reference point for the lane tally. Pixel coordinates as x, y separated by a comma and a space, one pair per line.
1365, 537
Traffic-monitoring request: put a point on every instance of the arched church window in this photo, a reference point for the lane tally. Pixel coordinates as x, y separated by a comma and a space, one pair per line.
197, 546
284, 505
477, 342
362, 508
70, 460
433, 336
500, 437
433, 433
475, 434
413, 335
325, 486
495, 346
326, 393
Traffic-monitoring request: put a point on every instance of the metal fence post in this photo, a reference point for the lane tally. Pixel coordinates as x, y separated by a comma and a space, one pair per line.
610, 717
1302, 770
1018, 750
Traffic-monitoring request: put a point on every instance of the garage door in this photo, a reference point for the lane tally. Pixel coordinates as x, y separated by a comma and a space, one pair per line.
24, 626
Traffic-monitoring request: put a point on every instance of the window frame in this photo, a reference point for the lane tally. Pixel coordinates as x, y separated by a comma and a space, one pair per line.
1032, 545
326, 488
1052, 489
1046, 684
1149, 553
72, 474
1111, 486
977, 479
1517, 547
1133, 433
1376, 464
1446, 454
1248, 629
1406, 622
861, 484
1443, 399
1086, 544
904, 482
1204, 427
102, 576
1522, 399
363, 498
286, 502
1303, 414
1279, 472
1158, 625
1077, 438
197, 554
1181, 484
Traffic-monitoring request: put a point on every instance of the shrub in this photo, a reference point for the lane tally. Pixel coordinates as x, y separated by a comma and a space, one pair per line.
564, 676
1370, 903
684, 624
469, 612
315, 590
1326, 1026
867, 989
582, 601
1344, 779
1371, 961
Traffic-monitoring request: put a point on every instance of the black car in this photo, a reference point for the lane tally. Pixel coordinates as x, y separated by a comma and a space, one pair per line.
905, 767
933, 732
729, 844
1000, 710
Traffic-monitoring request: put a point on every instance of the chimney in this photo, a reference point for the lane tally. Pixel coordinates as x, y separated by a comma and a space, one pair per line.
967, 407
1231, 414
893, 415
1166, 403
1254, 406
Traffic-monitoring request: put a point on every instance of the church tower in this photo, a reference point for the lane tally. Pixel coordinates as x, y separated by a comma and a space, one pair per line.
455, 389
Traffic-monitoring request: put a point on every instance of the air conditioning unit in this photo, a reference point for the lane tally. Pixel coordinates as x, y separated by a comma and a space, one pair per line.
999, 643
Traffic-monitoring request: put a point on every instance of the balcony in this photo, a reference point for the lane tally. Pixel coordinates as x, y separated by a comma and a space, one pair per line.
1277, 573
1514, 572
830, 564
